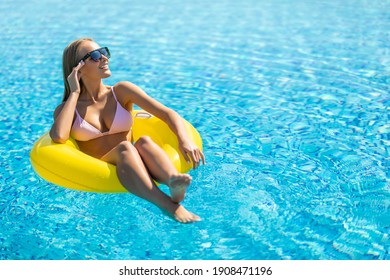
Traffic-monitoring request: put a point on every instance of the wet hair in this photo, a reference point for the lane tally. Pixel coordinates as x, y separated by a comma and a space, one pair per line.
70, 59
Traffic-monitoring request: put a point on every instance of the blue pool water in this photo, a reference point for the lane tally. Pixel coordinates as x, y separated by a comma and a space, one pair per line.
292, 101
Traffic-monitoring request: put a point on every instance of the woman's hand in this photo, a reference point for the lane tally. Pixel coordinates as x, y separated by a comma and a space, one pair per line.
191, 151
74, 78
137, 96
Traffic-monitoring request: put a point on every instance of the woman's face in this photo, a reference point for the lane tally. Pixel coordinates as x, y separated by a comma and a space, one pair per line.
93, 69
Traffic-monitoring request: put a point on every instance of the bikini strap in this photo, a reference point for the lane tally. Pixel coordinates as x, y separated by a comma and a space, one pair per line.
113, 92
77, 112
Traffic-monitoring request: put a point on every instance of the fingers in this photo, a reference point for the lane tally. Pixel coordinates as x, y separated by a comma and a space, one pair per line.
192, 153
196, 157
78, 66
76, 69
199, 157
202, 157
75, 76
185, 155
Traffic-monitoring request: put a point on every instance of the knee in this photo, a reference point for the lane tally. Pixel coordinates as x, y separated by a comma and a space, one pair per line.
143, 141
125, 148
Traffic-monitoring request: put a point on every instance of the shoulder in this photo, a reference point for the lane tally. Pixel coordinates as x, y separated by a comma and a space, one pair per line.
127, 90
126, 87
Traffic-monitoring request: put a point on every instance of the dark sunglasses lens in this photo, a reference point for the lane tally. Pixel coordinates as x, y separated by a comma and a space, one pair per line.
95, 55
105, 52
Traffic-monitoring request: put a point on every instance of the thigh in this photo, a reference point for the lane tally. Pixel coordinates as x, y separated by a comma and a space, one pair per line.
121, 151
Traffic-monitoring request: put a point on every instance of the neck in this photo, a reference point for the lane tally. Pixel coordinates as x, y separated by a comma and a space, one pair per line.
92, 90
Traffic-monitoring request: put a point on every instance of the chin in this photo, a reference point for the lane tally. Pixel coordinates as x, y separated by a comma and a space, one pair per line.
106, 74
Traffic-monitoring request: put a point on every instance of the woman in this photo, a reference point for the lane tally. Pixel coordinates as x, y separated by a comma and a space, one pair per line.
99, 118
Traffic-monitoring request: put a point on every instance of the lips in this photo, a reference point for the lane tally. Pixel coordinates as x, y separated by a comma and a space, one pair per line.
105, 66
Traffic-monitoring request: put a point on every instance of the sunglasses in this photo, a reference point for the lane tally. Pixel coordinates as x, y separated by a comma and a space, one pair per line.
96, 55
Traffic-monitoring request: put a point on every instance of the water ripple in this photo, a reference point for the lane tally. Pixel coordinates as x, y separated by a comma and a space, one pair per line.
291, 99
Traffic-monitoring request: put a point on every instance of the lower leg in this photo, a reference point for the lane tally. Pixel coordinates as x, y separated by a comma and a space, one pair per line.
134, 176
162, 169
143, 186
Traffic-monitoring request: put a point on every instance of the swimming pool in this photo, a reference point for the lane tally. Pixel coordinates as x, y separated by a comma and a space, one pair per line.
291, 99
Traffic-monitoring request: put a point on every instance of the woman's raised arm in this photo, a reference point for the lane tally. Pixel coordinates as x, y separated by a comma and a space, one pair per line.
136, 95
64, 113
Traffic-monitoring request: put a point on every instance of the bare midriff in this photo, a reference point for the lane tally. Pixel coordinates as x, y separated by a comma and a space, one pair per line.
98, 147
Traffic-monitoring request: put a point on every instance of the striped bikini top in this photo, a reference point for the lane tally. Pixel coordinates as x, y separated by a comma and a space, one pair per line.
84, 131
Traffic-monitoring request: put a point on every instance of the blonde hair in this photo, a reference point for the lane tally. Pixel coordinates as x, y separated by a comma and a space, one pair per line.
70, 58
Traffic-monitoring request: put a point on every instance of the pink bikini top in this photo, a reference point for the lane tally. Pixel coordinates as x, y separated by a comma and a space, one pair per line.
84, 131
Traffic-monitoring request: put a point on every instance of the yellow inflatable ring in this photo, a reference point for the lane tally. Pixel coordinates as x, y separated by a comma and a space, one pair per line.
65, 165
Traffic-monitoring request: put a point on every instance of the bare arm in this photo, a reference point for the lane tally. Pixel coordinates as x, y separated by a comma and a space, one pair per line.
64, 113
63, 118
136, 95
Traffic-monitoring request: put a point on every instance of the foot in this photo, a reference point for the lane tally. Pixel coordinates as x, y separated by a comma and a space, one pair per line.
178, 185
183, 216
